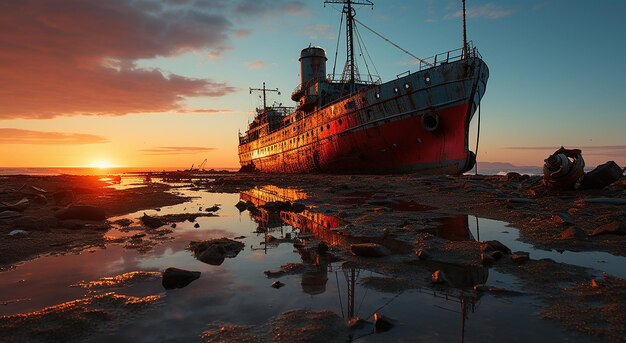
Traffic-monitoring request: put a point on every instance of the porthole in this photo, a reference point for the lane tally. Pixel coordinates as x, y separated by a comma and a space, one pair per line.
328, 126
395, 89
407, 86
377, 95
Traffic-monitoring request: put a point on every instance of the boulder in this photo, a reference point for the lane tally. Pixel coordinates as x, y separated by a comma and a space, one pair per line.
81, 212
196, 225
277, 284
214, 251
241, 206
520, 257
63, 198
602, 176
213, 208
438, 277
369, 250
613, 228
573, 232
152, 222
16, 233
489, 246
178, 278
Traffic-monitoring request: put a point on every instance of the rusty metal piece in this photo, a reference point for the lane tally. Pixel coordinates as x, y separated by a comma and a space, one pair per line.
563, 169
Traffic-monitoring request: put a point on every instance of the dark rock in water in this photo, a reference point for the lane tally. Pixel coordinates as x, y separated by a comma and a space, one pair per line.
489, 246
178, 278
613, 228
241, 206
573, 232
438, 277
277, 284
215, 251
240, 237
486, 259
196, 225
422, 254
81, 212
382, 323
63, 198
173, 226
213, 208
520, 256
322, 248
602, 176
152, 222
369, 250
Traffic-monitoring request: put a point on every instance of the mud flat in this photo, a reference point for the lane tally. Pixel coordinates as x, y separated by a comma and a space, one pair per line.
544, 264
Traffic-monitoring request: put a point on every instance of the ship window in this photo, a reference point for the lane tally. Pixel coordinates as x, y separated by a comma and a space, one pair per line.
395, 89
377, 95
328, 126
407, 85
340, 122
427, 79
321, 128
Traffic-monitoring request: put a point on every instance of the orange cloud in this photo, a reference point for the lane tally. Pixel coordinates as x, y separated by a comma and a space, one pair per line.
19, 136
78, 56
202, 111
256, 64
176, 150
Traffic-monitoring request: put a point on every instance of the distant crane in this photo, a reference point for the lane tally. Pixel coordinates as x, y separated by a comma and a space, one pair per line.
201, 166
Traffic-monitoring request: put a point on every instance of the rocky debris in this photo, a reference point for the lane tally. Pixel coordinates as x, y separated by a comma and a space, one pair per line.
493, 246
196, 225
562, 218
173, 226
606, 201
277, 284
382, 323
63, 198
123, 222
240, 237
213, 208
152, 222
77, 224
602, 176
215, 251
438, 277
81, 212
563, 169
369, 250
17, 233
573, 232
422, 254
613, 228
520, 257
9, 214
523, 201
178, 278
486, 259
19, 206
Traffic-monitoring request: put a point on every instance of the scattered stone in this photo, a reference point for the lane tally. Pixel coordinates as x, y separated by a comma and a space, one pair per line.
16, 233
215, 251
422, 254
9, 214
438, 277
240, 237
19, 206
178, 278
613, 228
173, 226
382, 323
277, 284
369, 250
157, 209
602, 176
213, 208
489, 246
152, 222
562, 218
520, 257
196, 225
594, 283
81, 212
573, 232
123, 222
524, 201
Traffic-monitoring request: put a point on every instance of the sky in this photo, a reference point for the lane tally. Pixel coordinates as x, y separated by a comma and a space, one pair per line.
140, 83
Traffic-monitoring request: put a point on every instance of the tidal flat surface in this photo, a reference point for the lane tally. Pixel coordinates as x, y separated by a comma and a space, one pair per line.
239, 292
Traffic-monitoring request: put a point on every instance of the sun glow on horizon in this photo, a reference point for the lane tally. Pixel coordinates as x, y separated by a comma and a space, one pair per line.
101, 164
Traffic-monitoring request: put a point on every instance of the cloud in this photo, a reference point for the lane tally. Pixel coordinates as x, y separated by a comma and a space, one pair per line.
176, 150
78, 56
269, 8
597, 150
488, 10
19, 136
203, 111
242, 33
319, 31
256, 64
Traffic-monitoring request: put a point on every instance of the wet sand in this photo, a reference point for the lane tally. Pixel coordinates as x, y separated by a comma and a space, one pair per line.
406, 214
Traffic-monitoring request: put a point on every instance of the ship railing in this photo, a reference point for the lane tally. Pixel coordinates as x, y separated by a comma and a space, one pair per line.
365, 79
449, 56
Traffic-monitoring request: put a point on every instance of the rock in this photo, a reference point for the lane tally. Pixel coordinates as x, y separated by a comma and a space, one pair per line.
240, 237
486, 259
173, 226
489, 246
382, 323
613, 228
178, 278
213, 208
524, 201
9, 214
513, 176
496, 254
573, 232
422, 254
196, 225
438, 277
520, 256
594, 283
63, 198
562, 217
241, 206
369, 250
215, 251
81, 212
277, 284
40, 199
602, 176
606, 201
322, 248
152, 222
16, 233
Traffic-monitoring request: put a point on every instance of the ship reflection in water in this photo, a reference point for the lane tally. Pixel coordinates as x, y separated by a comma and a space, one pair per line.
306, 229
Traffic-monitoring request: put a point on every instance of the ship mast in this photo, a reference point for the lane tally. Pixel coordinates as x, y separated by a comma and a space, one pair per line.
350, 71
264, 90
464, 34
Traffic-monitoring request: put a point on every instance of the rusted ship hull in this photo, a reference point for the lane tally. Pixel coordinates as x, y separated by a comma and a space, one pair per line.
416, 123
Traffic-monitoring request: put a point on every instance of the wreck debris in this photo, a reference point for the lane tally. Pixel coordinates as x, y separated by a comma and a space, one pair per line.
563, 169
602, 176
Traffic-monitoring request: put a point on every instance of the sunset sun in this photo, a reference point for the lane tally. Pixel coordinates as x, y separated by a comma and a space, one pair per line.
101, 164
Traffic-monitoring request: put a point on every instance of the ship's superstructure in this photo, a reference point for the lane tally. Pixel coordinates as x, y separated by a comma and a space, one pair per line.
418, 122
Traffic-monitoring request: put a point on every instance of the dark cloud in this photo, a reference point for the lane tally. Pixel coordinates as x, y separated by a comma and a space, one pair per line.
78, 56
176, 150
19, 136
